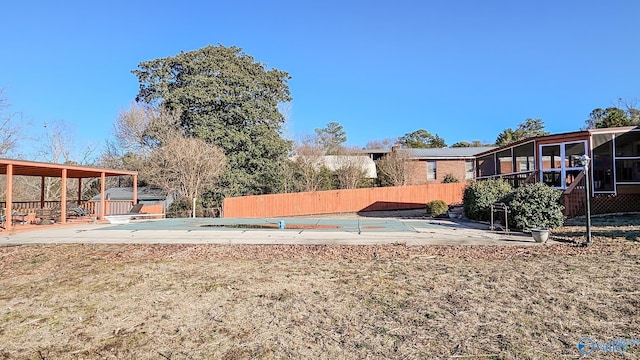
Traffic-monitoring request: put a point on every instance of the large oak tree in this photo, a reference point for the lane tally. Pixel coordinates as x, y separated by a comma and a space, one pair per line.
227, 99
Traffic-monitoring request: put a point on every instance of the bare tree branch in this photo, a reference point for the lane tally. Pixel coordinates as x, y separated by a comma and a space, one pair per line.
394, 168
10, 129
308, 162
141, 129
185, 166
381, 144
350, 168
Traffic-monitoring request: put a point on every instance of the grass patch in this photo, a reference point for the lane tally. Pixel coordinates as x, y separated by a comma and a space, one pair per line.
620, 226
244, 302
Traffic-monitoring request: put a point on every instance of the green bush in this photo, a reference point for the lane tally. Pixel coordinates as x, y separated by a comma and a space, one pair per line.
437, 208
535, 206
478, 197
449, 178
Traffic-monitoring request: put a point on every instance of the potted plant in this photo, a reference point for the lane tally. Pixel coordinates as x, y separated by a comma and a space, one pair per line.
540, 235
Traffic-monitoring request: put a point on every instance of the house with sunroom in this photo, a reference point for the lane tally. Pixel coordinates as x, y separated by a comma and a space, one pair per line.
614, 173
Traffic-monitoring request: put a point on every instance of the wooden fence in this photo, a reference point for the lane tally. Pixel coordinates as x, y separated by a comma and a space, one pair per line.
341, 201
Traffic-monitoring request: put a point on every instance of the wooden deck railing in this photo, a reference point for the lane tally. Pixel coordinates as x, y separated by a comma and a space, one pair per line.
516, 179
573, 197
92, 206
36, 204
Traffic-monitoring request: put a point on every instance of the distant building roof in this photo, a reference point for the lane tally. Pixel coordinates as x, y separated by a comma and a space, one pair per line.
334, 162
375, 151
452, 153
126, 193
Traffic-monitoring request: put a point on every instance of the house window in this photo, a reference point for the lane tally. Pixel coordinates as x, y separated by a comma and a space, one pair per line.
627, 157
469, 169
431, 170
505, 162
524, 155
602, 162
551, 157
628, 145
572, 154
559, 163
628, 170
486, 166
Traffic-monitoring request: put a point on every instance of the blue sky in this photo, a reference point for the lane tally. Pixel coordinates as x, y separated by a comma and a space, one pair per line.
464, 70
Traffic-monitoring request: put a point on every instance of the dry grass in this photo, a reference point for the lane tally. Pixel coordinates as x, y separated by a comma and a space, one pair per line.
325, 302
620, 226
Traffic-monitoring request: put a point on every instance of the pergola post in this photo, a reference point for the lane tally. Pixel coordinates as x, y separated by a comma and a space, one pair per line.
63, 198
8, 221
103, 205
135, 189
79, 191
42, 192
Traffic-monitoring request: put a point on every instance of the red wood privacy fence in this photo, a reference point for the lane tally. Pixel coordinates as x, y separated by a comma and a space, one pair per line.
341, 201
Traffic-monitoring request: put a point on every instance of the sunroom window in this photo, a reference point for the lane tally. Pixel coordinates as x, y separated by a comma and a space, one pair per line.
559, 163
523, 156
486, 165
602, 162
627, 161
505, 161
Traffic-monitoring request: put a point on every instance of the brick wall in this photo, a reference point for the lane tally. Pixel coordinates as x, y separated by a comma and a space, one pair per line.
418, 171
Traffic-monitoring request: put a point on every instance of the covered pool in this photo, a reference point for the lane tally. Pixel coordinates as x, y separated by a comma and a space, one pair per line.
353, 225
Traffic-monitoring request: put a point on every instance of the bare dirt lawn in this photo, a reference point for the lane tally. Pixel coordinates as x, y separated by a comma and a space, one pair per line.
324, 302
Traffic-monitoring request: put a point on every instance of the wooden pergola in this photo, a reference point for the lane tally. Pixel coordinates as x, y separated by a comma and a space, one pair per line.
12, 168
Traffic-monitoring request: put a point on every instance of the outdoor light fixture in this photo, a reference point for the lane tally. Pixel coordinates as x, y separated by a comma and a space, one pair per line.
584, 162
